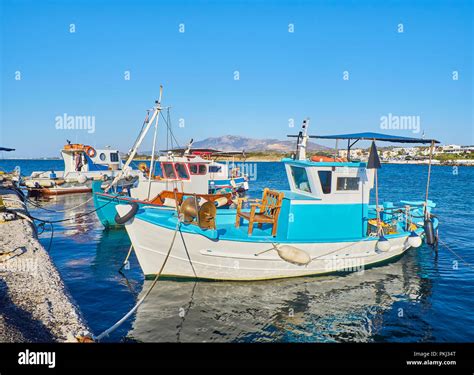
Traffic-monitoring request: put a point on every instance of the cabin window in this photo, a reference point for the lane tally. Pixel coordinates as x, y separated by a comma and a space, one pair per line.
102, 156
300, 178
215, 169
325, 179
348, 183
168, 170
114, 157
182, 171
197, 168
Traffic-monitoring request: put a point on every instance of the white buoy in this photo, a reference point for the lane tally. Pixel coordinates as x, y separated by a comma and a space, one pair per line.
293, 255
383, 244
81, 179
414, 240
219, 202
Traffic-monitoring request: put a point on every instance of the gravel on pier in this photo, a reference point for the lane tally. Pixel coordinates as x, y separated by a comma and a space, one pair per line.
35, 305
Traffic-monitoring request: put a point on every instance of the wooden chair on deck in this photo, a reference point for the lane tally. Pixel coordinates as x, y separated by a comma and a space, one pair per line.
269, 210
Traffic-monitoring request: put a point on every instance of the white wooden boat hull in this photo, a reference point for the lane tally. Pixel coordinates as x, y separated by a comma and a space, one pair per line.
196, 256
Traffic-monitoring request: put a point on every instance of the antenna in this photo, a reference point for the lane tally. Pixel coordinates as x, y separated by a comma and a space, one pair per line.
301, 140
188, 148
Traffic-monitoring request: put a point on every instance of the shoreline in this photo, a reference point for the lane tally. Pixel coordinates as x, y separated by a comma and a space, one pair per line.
35, 303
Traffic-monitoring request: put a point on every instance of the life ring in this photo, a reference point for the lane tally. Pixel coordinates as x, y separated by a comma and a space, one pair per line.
143, 167
130, 214
90, 151
327, 159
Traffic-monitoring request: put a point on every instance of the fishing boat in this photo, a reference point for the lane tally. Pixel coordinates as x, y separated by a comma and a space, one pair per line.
324, 224
176, 174
223, 177
167, 200
82, 165
188, 171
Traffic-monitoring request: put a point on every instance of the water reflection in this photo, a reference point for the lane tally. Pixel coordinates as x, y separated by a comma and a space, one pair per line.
355, 307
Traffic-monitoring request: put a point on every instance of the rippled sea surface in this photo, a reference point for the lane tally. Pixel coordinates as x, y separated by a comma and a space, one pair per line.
423, 296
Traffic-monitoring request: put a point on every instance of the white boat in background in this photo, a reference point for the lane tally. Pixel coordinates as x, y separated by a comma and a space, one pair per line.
323, 224
82, 165
184, 170
189, 171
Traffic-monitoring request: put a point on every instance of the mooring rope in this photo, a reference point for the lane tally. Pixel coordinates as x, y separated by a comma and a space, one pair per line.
126, 258
114, 198
37, 205
456, 255
137, 305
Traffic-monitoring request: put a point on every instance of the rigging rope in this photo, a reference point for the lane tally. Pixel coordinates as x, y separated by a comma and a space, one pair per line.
137, 305
62, 211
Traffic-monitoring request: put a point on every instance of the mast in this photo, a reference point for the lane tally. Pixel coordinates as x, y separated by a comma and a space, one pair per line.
152, 164
302, 140
138, 142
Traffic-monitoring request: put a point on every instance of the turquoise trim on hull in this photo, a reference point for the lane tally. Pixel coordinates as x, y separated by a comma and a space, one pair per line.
227, 231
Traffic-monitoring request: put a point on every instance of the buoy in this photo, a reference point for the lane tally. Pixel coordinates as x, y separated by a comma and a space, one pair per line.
90, 151
429, 232
383, 244
414, 240
219, 202
293, 255
81, 179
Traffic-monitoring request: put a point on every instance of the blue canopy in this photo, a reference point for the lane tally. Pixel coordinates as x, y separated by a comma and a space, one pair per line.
377, 137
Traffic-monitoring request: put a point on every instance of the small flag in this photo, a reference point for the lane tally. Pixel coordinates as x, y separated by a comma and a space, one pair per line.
374, 161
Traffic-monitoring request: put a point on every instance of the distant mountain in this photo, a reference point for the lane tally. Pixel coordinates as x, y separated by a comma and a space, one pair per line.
237, 143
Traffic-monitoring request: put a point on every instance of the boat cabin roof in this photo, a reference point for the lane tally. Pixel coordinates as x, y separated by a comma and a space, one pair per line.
309, 163
370, 136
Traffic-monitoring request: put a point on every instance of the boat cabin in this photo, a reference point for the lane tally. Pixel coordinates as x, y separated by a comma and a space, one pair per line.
326, 200
84, 158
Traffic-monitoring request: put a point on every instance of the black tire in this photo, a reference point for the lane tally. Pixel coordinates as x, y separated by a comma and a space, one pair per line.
122, 220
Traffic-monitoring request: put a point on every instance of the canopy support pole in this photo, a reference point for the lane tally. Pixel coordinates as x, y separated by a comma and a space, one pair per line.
428, 180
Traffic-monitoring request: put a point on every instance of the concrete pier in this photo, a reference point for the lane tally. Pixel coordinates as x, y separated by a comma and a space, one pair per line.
35, 305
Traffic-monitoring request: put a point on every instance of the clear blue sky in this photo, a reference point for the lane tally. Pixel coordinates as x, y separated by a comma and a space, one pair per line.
282, 75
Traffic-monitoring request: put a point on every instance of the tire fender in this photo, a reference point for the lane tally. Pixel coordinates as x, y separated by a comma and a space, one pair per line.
129, 215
